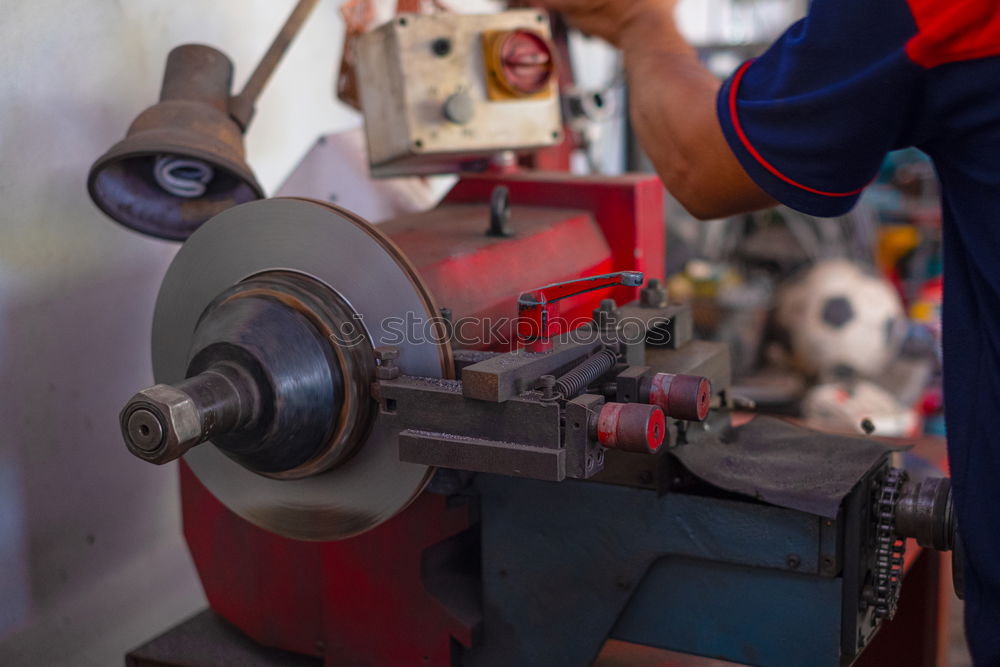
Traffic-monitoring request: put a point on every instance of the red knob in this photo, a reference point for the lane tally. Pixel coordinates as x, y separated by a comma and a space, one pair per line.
679, 396
526, 62
633, 427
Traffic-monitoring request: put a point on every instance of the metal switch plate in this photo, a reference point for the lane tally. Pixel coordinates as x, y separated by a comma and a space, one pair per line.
409, 83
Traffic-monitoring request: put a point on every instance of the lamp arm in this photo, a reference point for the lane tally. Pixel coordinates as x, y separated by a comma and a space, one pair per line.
241, 106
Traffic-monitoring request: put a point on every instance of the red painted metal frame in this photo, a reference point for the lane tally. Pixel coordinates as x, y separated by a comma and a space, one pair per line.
628, 209
479, 277
360, 601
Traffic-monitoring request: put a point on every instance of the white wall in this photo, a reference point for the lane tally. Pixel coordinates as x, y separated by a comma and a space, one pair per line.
91, 557
708, 22
92, 561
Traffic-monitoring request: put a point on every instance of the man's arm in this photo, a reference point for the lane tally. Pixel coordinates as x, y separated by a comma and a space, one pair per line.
672, 101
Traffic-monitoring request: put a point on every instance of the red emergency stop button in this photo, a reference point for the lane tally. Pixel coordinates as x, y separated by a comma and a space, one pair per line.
520, 63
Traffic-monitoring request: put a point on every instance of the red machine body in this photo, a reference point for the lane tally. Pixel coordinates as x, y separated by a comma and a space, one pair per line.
371, 599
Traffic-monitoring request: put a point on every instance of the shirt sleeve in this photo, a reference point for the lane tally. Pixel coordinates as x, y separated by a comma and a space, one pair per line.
812, 118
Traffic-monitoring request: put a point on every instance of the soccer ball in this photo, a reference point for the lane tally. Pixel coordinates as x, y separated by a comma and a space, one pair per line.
839, 320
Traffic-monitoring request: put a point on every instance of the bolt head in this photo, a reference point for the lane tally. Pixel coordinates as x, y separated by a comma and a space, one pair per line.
653, 295
164, 410
386, 353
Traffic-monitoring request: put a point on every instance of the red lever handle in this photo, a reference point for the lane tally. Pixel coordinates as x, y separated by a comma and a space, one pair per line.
535, 307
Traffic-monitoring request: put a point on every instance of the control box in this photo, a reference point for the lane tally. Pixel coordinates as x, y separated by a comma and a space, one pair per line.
441, 91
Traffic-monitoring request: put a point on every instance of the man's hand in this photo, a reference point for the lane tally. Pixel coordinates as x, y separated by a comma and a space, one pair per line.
610, 19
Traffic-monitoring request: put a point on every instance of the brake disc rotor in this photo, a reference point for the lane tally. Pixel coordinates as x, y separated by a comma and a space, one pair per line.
366, 270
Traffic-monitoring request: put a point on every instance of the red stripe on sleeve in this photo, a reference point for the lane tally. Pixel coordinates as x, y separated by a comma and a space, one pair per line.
734, 117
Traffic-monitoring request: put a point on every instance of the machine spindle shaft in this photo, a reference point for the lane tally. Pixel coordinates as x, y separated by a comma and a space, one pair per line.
163, 422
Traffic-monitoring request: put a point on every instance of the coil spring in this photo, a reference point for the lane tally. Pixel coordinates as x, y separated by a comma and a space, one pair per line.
582, 376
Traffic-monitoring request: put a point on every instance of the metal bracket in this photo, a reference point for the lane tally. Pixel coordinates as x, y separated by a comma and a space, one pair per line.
584, 456
502, 377
482, 455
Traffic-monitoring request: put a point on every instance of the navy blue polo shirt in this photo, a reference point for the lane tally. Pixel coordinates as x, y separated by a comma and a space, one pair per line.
811, 121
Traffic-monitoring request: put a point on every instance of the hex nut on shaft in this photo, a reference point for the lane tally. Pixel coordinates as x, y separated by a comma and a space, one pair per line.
160, 424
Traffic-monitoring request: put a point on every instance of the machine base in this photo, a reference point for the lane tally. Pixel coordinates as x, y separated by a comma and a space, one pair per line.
208, 640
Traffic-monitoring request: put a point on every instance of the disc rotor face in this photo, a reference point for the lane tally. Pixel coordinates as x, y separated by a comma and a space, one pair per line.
352, 258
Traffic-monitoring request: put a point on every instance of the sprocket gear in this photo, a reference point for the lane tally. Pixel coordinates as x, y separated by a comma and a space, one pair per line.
890, 548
